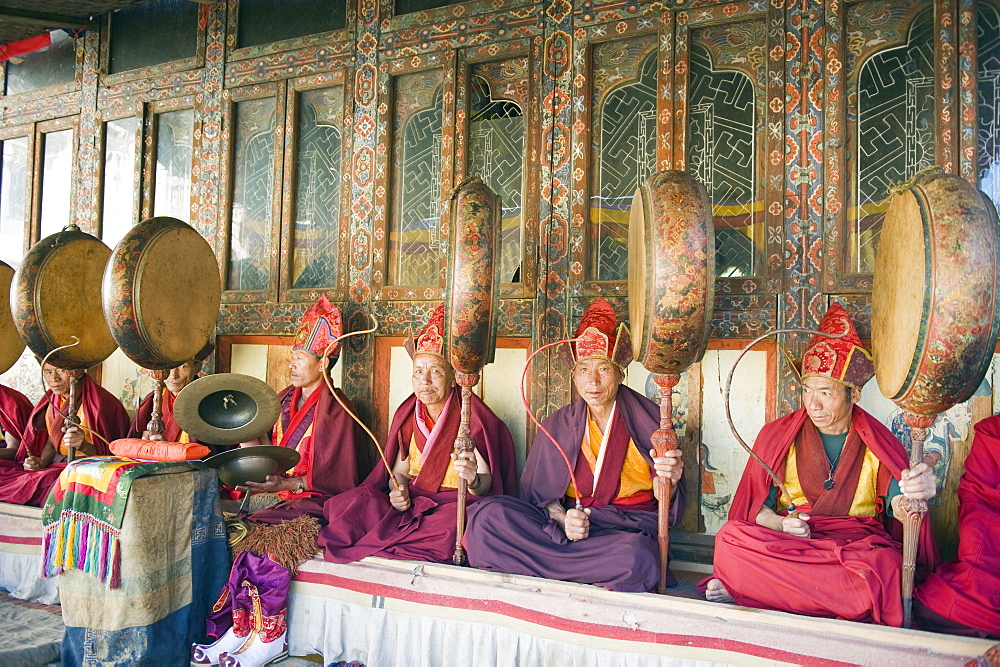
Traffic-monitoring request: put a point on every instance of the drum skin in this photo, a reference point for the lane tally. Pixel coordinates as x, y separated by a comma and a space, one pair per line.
671, 277
162, 291
935, 312
11, 343
57, 294
470, 309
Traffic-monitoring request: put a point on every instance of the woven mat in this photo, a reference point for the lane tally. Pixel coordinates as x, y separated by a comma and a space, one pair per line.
32, 632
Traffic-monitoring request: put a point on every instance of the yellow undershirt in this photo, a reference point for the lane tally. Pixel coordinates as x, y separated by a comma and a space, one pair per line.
450, 480
635, 475
865, 495
86, 435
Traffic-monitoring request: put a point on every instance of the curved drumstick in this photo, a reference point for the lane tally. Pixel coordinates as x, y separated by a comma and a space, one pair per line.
329, 384
729, 417
524, 400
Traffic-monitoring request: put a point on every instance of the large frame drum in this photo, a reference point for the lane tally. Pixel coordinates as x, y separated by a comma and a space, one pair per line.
934, 315
671, 278
57, 296
935, 312
162, 292
11, 343
474, 283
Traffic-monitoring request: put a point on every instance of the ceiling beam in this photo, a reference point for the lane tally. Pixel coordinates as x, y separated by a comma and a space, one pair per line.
41, 19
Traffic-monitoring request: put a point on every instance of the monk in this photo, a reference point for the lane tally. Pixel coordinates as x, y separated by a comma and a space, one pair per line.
606, 434
317, 425
963, 596
846, 474
415, 517
14, 410
314, 423
41, 456
179, 377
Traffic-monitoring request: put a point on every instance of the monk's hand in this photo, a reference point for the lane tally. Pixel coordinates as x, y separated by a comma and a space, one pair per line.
670, 465
795, 526
73, 437
918, 482
33, 463
576, 525
399, 496
272, 484
465, 465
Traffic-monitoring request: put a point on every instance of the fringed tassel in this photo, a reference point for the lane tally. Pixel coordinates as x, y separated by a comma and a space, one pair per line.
83, 542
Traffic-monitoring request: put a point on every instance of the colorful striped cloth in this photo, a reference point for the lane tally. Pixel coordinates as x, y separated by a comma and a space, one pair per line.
83, 516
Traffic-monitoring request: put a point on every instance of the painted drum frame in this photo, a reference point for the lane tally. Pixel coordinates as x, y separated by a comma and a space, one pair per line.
27, 310
11, 343
123, 286
470, 320
960, 315
673, 249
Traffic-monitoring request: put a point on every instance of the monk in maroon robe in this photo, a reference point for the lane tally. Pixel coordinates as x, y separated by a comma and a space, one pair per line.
606, 433
846, 473
41, 456
314, 423
963, 595
416, 519
179, 377
14, 410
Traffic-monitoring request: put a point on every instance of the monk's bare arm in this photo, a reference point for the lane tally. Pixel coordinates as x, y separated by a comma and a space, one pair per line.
783, 524
12, 443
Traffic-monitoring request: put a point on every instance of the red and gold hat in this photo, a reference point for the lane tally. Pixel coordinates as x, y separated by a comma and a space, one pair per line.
431, 337
841, 359
601, 336
322, 324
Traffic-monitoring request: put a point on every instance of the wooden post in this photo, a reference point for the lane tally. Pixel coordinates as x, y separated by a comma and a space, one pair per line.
154, 429
664, 439
913, 512
463, 443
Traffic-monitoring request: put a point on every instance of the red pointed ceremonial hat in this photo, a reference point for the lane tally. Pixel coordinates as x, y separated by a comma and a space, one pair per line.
322, 324
841, 359
431, 337
601, 336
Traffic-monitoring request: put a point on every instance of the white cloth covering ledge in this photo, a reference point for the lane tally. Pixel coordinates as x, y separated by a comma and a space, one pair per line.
21, 555
379, 613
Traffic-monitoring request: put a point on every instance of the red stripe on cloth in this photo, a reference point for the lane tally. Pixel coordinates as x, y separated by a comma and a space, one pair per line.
560, 623
12, 49
14, 539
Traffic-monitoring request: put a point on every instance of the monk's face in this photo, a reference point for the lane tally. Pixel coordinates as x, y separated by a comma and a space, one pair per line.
56, 379
432, 378
306, 369
829, 404
181, 376
596, 381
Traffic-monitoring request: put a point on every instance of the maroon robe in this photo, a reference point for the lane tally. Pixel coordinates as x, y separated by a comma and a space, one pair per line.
362, 522
848, 568
621, 552
334, 455
963, 595
171, 430
103, 413
14, 410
